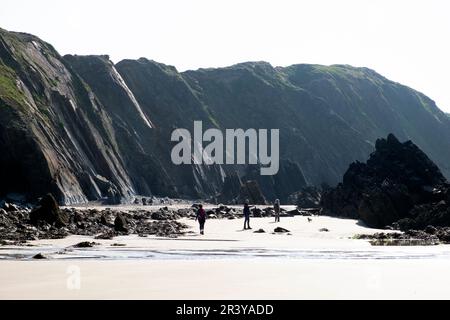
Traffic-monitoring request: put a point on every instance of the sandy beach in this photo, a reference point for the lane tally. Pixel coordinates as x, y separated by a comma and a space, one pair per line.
229, 263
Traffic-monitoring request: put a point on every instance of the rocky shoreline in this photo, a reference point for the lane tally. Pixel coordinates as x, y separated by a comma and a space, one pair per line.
21, 223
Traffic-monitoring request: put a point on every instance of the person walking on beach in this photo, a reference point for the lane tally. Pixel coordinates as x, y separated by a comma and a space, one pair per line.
277, 209
246, 216
201, 217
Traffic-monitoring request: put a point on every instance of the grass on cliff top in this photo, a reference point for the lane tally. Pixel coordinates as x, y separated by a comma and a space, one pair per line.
8, 86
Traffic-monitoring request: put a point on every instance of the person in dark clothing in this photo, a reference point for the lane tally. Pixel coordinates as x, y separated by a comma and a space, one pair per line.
246, 216
277, 210
201, 217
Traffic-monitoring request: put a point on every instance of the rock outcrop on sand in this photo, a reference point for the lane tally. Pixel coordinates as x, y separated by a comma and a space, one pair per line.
48, 211
48, 221
398, 185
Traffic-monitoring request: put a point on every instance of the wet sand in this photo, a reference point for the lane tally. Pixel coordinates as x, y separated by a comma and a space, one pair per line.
227, 279
229, 263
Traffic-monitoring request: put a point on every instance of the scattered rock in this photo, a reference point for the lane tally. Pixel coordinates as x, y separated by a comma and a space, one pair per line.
280, 230
86, 244
259, 231
161, 214
118, 245
410, 238
105, 236
39, 256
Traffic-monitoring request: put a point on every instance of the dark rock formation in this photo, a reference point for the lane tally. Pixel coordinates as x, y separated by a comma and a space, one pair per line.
85, 244
48, 211
231, 187
251, 192
16, 227
398, 183
161, 215
121, 223
306, 197
429, 236
280, 230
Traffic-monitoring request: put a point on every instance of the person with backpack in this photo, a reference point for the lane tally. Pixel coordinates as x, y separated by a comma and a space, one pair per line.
201, 218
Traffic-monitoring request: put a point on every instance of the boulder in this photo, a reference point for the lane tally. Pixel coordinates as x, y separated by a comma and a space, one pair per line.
85, 244
120, 223
161, 215
280, 230
256, 212
48, 211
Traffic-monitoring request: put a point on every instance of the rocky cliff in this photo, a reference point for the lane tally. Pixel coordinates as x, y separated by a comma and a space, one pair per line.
84, 128
396, 184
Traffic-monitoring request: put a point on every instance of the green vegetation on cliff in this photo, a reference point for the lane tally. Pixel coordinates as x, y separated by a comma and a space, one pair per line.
9, 88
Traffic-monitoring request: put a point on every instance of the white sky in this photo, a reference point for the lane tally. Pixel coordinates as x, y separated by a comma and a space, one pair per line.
405, 40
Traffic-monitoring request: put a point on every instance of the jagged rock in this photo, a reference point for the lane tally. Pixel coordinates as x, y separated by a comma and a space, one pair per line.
10, 207
251, 192
397, 178
121, 223
307, 197
48, 211
288, 180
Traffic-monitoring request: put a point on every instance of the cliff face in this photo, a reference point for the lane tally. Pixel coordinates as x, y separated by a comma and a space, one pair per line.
84, 128
55, 135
